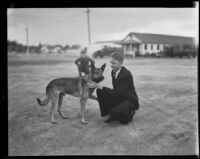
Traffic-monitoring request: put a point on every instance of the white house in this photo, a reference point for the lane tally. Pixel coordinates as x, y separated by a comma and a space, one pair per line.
143, 43
44, 49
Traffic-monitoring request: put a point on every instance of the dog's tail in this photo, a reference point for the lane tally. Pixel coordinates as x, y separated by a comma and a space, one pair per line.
46, 100
43, 103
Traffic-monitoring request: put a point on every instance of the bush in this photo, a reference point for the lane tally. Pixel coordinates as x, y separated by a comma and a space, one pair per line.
187, 54
137, 53
160, 54
168, 52
145, 55
153, 55
148, 55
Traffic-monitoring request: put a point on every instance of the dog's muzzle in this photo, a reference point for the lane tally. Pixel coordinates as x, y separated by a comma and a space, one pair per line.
97, 80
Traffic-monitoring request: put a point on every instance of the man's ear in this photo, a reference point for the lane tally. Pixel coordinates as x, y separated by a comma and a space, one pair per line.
103, 66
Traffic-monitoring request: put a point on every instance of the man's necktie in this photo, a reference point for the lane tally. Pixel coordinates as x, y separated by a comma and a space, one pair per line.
114, 74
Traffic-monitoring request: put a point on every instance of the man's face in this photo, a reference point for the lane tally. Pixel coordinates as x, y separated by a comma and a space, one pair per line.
114, 64
83, 55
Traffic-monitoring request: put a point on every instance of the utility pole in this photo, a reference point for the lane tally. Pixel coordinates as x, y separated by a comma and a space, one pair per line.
27, 44
88, 20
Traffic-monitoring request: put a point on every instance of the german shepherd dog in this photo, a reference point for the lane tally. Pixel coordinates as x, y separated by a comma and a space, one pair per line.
76, 87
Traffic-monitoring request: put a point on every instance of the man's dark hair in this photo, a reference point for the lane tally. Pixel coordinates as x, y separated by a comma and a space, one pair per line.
118, 56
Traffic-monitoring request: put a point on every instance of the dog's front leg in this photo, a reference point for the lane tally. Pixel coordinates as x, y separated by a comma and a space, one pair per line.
82, 102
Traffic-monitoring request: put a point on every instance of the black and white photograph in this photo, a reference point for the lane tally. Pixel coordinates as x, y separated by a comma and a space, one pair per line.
102, 81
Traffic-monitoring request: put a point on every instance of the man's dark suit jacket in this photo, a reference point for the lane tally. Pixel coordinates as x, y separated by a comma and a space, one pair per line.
123, 88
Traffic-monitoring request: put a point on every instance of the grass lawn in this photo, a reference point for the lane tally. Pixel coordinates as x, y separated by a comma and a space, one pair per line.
165, 124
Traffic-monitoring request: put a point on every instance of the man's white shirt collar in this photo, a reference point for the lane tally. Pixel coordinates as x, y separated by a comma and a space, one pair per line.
117, 73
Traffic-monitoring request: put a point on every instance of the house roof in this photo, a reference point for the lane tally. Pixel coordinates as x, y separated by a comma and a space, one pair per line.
127, 42
154, 38
161, 38
111, 41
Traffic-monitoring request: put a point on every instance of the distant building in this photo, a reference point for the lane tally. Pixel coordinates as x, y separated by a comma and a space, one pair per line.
143, 43
52, 49
44, 49
91, 48
108, 43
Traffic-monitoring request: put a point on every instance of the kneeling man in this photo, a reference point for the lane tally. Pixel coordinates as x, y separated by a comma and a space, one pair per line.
121, 102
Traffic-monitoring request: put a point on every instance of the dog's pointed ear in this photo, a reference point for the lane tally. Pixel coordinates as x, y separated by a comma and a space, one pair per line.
103, 66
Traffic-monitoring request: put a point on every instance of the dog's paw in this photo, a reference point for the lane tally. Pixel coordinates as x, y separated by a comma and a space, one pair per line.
65, 117
84, 122
54, 122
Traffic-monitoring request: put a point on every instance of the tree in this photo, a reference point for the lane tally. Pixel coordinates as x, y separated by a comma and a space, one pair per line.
66, 47
76, 46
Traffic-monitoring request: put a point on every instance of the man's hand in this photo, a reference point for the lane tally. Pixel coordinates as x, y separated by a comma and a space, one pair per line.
92, 84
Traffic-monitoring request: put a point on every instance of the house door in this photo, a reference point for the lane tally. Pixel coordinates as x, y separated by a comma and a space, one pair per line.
129, 49
134, 49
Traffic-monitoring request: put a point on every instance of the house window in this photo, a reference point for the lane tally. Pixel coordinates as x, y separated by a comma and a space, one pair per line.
145, 46
158, 47
151, 46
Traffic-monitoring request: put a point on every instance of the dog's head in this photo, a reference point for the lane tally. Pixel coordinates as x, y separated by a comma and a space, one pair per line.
97, 73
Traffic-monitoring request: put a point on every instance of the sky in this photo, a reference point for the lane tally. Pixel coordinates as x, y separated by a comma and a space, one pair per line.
68, 26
